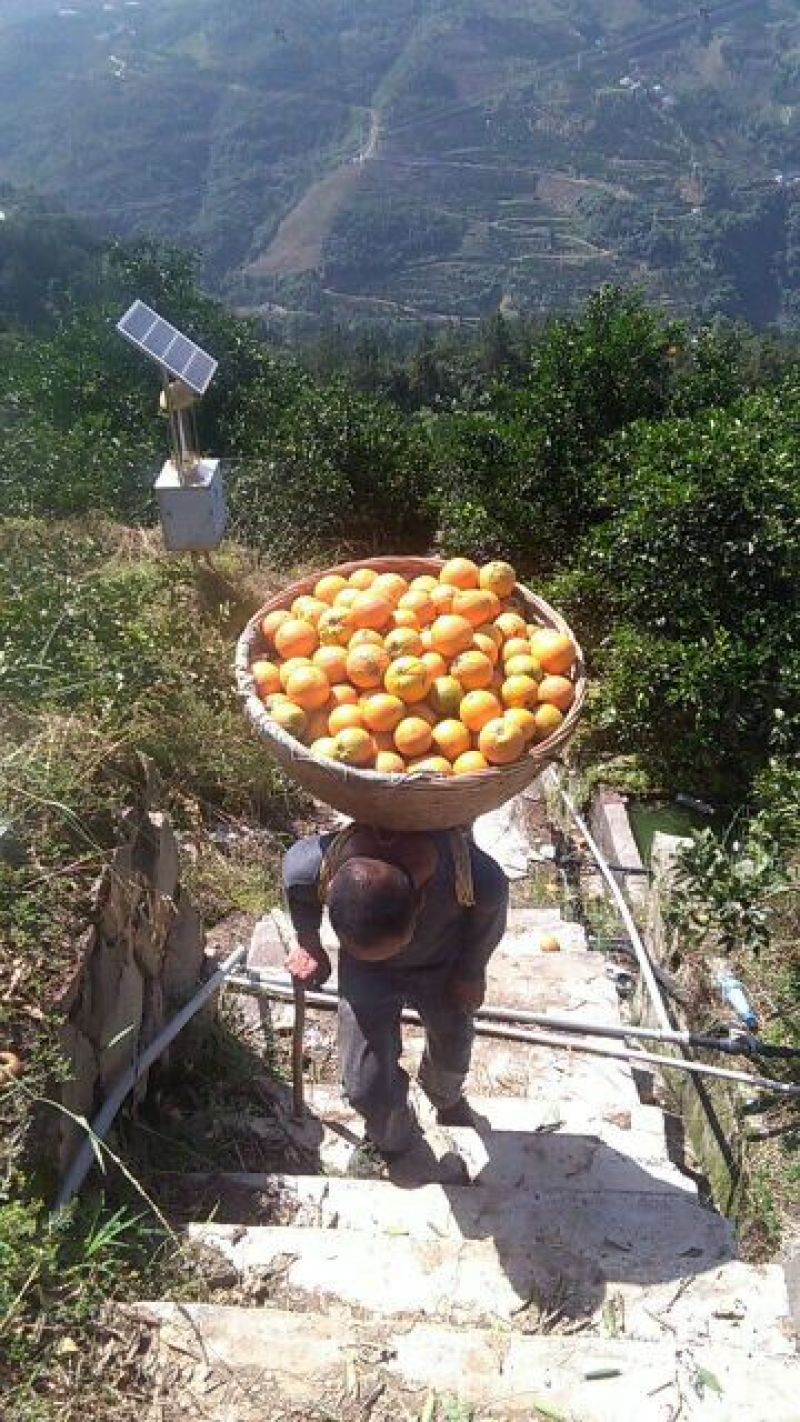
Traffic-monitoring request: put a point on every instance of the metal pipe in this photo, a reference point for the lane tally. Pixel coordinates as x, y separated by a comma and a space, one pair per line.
643, 957
83, 1161
327, 1001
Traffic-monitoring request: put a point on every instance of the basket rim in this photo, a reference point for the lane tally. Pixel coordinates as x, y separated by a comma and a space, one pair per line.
536, 756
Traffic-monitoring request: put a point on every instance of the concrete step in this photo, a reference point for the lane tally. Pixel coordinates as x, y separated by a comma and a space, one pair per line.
475, 1257
228, 1364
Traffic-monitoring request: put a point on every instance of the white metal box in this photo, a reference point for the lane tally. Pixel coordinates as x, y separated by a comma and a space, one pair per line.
193, 511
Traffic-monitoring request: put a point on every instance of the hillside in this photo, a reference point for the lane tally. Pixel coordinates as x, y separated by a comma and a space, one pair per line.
425, 158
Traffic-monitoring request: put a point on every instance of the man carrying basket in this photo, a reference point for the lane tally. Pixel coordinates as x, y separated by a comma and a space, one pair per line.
417, 917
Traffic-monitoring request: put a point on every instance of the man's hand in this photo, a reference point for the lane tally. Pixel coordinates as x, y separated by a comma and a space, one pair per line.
467, 995
310, 967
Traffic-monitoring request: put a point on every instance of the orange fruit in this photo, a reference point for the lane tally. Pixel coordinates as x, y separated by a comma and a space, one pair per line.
510, 624
435, 663
426, 638
555, 651
548, 718
372, 610
426, 582
524, 718
366, 665
460, 573
520, 691
365, 634
403, 642
290, 717
446, 696
343, 694
390, 585
408, 678
286, 668
328, 586
269, 701
346, 597
266, 676
451, 635
557, 691
418, 601
355, 746
489, 629
498, 577
477, 708
472, 669
389, 763
343, 717
308, 686
335, 626
451, 738
363, 578
272, 622
324, 746
405, 617
412, 736
470, 763
501, 741
477, 605
487, 645
309, 608
296, 638
516, 647
442, 597
333, 661
432, 765
382, 712
524, 665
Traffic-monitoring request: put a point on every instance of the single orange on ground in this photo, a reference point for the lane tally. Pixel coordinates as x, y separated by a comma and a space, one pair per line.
510, 624
498, 577
389, 763
290, 717
355, 746
548, 718
412, 736
446, 696
426, 581
335, 627
367, 665
286, 668
470, 763
272, 622
296, 638
324, 746
405, 617
408, 678
435, 662
524, 665
266, 676
363, 578
451, 635
516, 647
477, 708
390, 585
554, 650
309, 608
328, 586
343, 694
382, 712
477, 605
451, 738
487, 645
333, 661
472, 669
519, 691
308, 686
460, 573
524, 718
432, 765
418, 601
403, 642
365, 634
557, 691
372, 610
342, 717
501, 741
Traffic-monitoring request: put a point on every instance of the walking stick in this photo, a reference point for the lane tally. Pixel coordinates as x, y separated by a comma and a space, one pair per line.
298, 1033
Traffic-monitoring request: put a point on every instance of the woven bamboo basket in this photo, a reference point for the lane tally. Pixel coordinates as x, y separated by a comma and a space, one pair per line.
405, 802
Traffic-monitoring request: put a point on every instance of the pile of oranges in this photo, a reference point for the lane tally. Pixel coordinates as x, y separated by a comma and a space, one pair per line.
442, 674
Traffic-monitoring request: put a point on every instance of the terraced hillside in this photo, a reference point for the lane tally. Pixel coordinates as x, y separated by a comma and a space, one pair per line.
426, 158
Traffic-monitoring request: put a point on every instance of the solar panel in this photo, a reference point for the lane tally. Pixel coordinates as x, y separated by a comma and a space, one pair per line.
149, 332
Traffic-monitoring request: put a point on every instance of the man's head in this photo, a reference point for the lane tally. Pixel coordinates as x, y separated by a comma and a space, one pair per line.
373, 908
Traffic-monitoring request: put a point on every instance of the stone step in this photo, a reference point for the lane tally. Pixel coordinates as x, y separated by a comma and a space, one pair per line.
223, 1363
476, 1256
